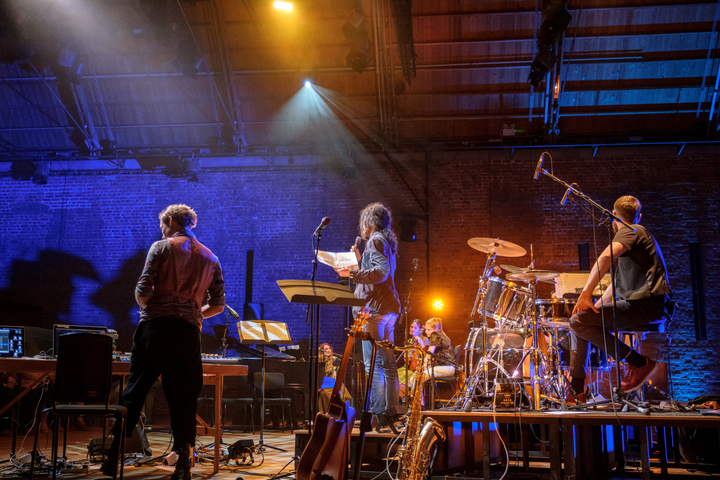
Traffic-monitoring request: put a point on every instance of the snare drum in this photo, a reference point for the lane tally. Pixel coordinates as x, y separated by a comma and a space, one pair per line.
555, 309
506, 301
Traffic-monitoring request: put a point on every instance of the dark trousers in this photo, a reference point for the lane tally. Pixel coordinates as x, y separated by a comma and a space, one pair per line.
587, 327
170, 347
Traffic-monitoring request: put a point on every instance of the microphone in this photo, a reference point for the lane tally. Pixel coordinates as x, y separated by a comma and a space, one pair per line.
565, 197
567, 193
358, 240
324, 223
233, 312
415, 262
539, 166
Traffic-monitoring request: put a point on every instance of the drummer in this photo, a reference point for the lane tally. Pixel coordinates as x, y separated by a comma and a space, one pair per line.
642, 293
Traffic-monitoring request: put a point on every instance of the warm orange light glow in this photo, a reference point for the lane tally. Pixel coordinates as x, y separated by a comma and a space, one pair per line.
438, 304
287, 6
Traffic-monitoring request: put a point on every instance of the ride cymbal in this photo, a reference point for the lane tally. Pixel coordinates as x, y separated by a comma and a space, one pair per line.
502, 247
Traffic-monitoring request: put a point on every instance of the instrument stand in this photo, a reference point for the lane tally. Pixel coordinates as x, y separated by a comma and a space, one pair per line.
471, 384
312, 316
365, 415
619, 396
264, 332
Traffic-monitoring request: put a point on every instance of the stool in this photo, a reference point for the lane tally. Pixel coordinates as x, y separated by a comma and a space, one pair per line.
636, 335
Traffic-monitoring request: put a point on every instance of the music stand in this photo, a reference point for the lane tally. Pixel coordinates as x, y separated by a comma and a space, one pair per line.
317, 293
264, 332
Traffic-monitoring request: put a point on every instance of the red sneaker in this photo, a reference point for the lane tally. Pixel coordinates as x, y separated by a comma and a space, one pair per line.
636, 376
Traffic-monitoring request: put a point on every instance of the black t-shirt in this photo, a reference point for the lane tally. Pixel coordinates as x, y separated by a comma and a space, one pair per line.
641, 271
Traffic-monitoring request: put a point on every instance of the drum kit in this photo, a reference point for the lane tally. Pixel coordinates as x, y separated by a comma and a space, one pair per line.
518, 334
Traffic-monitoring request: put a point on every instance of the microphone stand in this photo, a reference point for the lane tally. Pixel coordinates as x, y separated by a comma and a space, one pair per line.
223, 347
312, 315
619, 396
405, 310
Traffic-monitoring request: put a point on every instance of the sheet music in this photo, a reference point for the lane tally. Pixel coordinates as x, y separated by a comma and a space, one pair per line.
277, 331
263, 331
250, 330
338, 259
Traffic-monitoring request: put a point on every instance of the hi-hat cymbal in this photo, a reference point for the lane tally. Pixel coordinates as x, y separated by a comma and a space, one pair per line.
532, 275
502, 247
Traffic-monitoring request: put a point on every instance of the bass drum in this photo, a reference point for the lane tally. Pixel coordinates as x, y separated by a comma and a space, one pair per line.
505, 346
506, 302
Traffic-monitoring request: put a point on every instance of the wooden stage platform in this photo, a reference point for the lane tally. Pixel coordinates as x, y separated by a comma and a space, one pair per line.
587, 445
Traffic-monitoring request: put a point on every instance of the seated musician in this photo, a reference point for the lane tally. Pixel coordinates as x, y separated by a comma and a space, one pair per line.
418, 339
442, 360
327, 358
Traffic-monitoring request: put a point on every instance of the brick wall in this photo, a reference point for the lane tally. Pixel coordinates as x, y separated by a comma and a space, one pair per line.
72, 250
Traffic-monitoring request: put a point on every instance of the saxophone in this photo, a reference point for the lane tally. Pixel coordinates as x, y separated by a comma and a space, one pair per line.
419, 444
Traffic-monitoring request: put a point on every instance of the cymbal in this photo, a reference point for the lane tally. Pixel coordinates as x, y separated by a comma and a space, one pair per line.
532, 275
512, 268
502, 247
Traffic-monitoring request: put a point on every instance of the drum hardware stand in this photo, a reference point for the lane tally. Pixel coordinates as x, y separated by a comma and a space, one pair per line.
557, 381
531, 277
490, 247
619, 396
472, 383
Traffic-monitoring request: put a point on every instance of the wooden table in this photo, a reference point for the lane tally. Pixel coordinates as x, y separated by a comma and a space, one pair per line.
40, 370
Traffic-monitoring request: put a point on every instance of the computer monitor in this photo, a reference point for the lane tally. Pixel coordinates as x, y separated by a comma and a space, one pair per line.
12, 342
60, 330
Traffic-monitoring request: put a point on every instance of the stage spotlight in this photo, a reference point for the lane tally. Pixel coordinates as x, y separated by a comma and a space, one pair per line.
438, 304
361, 48
285, 6
555, 20
42, 170
308, 84
192, 169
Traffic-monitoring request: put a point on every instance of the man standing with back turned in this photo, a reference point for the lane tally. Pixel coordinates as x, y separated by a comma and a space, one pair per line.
641, 291
179, 274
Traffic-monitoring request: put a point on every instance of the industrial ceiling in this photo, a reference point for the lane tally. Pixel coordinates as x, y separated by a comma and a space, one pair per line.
101, 79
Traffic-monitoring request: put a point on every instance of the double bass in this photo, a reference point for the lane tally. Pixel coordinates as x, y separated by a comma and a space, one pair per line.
325, 456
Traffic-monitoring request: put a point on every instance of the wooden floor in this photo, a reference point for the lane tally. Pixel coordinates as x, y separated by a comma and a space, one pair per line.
264, 464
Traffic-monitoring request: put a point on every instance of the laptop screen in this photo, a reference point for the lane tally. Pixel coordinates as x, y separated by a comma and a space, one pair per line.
12, 342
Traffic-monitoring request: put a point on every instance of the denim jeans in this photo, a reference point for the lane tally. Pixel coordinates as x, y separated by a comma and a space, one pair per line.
385, 388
